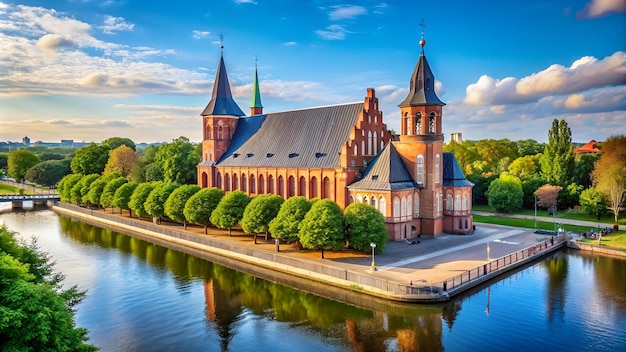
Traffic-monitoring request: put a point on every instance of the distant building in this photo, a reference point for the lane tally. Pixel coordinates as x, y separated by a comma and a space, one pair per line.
342, 152
457, 137
68, 143
26, 141
589, 147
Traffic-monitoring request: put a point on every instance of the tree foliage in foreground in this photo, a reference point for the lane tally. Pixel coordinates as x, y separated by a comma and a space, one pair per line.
592, 201
557, 161
175, 203
505, 193
19, 161
65, 186
230, 210
139, 197
90, 159
122, 195
155, 203
364, 225
36, 312
108, 192
200, 206
286, 225
322, 227
259, 212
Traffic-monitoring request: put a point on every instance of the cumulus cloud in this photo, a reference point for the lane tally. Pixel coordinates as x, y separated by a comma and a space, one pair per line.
342, 12
332, 32
599, 8
52, 42
200, 34
584, 74
116, 24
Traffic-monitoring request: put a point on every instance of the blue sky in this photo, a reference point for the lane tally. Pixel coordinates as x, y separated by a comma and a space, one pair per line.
89, 70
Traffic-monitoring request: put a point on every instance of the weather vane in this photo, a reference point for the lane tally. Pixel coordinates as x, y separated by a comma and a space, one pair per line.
422, 41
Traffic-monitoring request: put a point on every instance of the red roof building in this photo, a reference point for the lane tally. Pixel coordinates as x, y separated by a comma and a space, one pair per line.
590, 147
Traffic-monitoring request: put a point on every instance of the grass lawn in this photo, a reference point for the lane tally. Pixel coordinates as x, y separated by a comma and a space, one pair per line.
563, 214
6, 189
614, 240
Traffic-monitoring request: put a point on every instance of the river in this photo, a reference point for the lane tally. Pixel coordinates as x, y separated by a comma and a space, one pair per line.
143, 297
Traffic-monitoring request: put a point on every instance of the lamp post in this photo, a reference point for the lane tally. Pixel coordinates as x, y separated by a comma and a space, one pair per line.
373, 245
535, 212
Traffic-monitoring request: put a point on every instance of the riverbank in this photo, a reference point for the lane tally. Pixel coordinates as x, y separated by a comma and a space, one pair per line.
431, 271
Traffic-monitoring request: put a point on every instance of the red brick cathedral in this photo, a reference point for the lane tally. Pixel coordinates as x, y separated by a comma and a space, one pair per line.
343, 152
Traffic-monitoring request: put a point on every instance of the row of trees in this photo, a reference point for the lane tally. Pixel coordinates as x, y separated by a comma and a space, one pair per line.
595, 182
316, 224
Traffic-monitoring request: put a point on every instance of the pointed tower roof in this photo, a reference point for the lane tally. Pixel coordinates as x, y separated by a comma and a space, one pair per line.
422, 87
222, 102
256, 93
385, 172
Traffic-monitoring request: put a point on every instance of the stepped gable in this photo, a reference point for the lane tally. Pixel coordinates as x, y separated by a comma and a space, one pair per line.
307, 138
385, 172
452, 174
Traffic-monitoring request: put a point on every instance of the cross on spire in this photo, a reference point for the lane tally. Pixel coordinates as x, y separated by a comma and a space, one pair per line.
422, 41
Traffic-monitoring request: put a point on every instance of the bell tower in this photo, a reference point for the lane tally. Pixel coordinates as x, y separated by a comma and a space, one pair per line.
421, 142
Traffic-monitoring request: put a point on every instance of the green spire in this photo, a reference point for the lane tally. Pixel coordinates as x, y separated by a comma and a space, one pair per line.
256, 93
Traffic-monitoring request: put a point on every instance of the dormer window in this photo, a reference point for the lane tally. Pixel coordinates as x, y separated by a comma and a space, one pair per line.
375, 178
249, 155
269, 155
235, 155
293, 155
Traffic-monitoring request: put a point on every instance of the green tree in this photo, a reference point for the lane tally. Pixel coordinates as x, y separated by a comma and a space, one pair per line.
139, 197
525, 167
593, 202
364, 225
115, 142
122, 195
148, 169
90, 159
65, 186
199, 207
505, 194
529, 147
570, 195
175, 203
557, 160
85, 183
496, 155
481, 185
609, 172
97, 187
48, 173
75, 195
45, 156
286, 225
259, 212
529, 187
465, 153
583, 168
19, 161
123, 160
155, 203
108, 192
37, 313
322, 226
230, 210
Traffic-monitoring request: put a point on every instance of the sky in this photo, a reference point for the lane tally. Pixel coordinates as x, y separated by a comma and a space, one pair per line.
88, 70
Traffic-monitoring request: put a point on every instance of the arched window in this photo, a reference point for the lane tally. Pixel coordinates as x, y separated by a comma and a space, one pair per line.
375, 143
449, 202
302, 186
369, 118
460, 224
466, 224
408, 124
431, 123
235, 182
291, 187
244, 183
226, 182
420, 169
457, 202
396, 207
366, 200
356, 149
363, 147
218, 181
370, 150
350, 199
326, 188
359, 199
382, 206
313, 187
416, 206
252, 184
382, 145
409, 205
281, 186
437, 162
403, 206
270, 184
220, 131
418, 123
440, 203
464, 206
373, 202
261, 184
204, 180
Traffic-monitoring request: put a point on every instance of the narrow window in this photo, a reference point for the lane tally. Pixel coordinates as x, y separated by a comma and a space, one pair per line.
375, 142
437, 162
418, 123
252, 184
382, 206
420, 169
369, 143
457, 202
431, 123
416, 205
396, 207
449, 202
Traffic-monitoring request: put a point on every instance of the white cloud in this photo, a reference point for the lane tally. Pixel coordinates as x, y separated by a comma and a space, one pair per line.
599, 8
52, 42
200, 34
290, 43
116, 24
245, 2
342, 12
332, 32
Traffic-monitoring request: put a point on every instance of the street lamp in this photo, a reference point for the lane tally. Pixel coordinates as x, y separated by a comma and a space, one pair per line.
373, 245
535, 211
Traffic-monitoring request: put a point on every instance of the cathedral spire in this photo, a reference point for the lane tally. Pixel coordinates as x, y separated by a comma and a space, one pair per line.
222, 102
256, 108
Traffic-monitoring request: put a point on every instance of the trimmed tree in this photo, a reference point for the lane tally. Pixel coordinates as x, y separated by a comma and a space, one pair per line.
259, 212
121, 198
139, 197
230, 210
364, 225
286, 225
322, 227
592, 202
155, 203
19, 161
108, 192
66, 184
75, 195
175, 203
85, 183
199, 207
97, 187
505, 193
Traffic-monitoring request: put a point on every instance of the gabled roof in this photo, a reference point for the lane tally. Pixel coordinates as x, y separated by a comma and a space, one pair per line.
298, 138
422, 86
222, 102
452, 173
386, 172
589, 147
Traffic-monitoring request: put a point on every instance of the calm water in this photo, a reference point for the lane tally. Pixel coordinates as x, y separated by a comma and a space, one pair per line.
142, 297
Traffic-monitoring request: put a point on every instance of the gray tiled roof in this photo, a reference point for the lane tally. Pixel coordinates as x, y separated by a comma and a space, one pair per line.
222, 102
452, 173
308, 138
385, 172
422, 86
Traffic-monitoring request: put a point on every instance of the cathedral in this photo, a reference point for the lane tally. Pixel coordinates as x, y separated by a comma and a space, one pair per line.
343, 152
